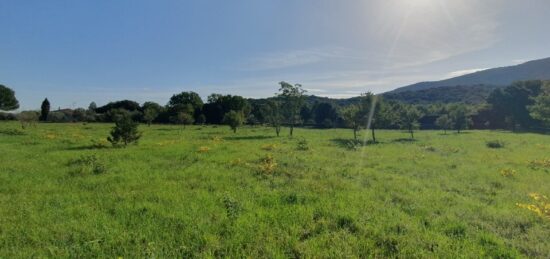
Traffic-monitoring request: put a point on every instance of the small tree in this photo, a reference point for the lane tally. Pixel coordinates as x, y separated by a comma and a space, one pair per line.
444, 122
293, 99
8, 101
27, 118
353, 118
183, 118
149, 115
460, 117
408, 119
44, 110
234, 119
273, 116
125, 130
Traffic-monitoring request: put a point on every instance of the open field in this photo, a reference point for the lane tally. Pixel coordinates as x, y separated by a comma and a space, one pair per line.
206, 192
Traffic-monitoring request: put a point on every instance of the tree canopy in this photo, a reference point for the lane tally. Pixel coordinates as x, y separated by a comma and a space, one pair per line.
8, 101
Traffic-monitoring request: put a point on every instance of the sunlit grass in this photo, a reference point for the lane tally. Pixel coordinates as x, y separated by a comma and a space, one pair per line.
205, 191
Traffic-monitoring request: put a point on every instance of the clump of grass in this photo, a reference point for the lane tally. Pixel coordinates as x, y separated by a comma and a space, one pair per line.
540, 206
303, 145
347, 223
267, 165
428, 148
86, 165
99, 143
494, 144
353, 145
232, 207
508, 172
203, 149
269, 147
540, 163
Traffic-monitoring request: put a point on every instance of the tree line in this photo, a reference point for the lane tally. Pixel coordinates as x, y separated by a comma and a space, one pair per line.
522, 105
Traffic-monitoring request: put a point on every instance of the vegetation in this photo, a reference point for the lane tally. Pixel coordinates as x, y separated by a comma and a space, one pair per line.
259, 196
540, 109
125, 130
292, 97
8, 101
234, 119
44, 110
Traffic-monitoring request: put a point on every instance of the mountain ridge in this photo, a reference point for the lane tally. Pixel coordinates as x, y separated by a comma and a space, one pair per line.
500, 76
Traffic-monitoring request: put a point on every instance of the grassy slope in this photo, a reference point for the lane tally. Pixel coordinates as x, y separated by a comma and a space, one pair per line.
441, 196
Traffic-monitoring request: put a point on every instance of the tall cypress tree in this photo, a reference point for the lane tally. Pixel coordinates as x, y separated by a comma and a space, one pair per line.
45, 110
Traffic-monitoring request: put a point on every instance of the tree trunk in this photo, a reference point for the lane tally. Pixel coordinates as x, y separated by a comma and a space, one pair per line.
373, 136
234, 130
291, 129
355, 133
277, 130
412, 133
445, 131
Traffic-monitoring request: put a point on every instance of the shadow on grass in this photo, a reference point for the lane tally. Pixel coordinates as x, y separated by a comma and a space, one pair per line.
352, 143
88, 147
258, 137
404, 140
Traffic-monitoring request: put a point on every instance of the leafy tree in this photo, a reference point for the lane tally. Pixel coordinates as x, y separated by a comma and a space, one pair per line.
92, 107
234, 119
125, 130
201, 119
90, 113
44, 110
540, 110
124, 104
408, 118
353, 117
182, 101
150, 114
510, 104
183, 118
273, 115
8, 101
218, 105
444, 122
460, 117
293, 99
27, 118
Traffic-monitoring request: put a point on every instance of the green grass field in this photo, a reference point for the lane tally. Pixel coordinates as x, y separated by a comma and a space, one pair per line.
206, 192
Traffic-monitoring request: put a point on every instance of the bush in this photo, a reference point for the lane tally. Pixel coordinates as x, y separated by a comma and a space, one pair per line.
125, 130
495, 144
86, 165
303, 145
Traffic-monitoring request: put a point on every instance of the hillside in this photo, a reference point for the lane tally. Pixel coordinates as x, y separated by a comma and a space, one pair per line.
502, 76
470, 94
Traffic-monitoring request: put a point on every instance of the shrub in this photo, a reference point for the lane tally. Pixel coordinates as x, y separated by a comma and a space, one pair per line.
494, 144
27, 118
125, 130
303, 145
508, 172
267, 165
86, 165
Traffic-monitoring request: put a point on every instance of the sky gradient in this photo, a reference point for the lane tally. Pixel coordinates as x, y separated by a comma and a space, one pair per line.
75, 52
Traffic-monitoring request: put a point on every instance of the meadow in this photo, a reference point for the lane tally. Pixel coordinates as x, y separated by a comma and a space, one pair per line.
205, 191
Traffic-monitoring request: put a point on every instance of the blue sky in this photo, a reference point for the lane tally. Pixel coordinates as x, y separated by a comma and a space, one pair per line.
75, 52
